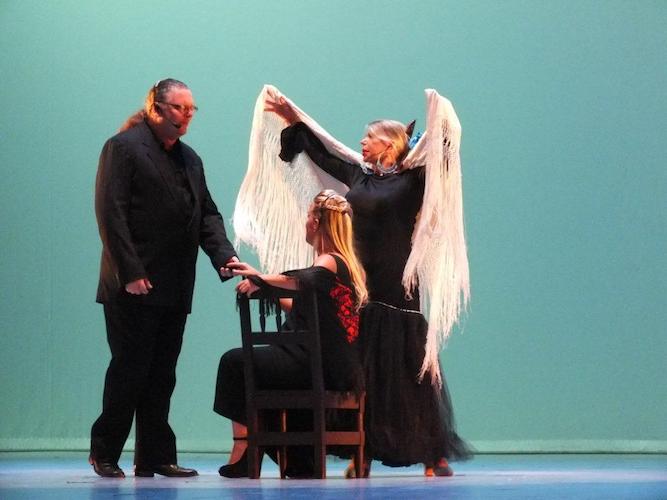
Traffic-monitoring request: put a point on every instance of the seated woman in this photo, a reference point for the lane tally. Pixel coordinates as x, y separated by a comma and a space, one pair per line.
339, 281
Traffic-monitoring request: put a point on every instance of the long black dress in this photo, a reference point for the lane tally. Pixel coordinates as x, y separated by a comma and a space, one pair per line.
407, 421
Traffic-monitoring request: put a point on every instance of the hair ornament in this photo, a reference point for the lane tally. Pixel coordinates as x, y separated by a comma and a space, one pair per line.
414, 140
343, 207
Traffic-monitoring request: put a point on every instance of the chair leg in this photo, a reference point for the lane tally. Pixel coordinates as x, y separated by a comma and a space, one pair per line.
362, 468
282, 450
254, 461
359, 463
254, 454
320, 470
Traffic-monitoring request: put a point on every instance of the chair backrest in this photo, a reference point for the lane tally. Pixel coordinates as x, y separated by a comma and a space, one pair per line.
255, 313
265, 304
258, 329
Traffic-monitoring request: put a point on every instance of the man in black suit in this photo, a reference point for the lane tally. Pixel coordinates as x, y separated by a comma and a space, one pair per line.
154, 211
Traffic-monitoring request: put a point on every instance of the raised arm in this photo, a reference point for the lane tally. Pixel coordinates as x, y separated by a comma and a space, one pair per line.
298, 137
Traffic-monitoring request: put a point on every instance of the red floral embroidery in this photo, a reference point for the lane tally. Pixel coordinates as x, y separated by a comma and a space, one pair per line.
346, 312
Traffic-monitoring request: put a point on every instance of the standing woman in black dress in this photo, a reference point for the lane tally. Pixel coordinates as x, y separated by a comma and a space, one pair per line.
409, 419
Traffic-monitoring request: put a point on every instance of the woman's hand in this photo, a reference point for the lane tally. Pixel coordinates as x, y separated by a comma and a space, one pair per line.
247, 287
242, 269
278, 104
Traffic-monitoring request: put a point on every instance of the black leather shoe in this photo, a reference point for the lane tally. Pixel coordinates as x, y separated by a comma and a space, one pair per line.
169, 470
105, 468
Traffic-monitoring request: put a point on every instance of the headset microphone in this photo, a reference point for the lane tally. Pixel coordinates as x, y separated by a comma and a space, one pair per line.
161, 113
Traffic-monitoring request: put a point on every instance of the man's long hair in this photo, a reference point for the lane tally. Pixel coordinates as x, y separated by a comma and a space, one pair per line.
157, 93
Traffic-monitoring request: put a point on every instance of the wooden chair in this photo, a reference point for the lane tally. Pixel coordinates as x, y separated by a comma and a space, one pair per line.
316, 399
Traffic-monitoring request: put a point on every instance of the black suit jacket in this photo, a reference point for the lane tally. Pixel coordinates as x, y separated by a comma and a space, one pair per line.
146, 230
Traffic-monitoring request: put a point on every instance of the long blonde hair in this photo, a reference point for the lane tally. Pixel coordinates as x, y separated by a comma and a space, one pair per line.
335, 215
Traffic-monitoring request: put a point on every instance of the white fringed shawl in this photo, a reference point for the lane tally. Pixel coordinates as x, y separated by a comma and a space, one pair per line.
273, 201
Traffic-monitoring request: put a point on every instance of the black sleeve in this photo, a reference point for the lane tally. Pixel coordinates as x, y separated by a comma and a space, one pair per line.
212, 235
316, 278
299, 137
312, 278
113, 192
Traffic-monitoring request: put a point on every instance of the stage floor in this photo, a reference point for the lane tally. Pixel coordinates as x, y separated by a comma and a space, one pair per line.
67, 476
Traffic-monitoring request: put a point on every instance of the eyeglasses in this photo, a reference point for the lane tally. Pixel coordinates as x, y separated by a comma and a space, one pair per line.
181, 108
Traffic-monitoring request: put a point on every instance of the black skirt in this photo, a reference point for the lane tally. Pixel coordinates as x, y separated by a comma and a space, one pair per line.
407, 421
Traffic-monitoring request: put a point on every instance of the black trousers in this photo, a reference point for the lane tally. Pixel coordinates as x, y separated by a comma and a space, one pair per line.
145, 342
275, 368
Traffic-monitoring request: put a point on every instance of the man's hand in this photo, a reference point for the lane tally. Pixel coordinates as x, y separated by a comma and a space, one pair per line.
225, 271
139, 287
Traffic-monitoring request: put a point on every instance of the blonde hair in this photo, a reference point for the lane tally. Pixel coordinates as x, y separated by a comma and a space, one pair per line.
335, 215
392, 132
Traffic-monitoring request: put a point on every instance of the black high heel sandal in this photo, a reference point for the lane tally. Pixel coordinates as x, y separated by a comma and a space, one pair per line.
239, 468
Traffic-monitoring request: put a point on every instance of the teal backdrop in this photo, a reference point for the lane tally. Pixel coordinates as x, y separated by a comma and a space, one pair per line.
563, 107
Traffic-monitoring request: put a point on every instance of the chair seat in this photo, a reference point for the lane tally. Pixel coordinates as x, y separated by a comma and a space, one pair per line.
294, 399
